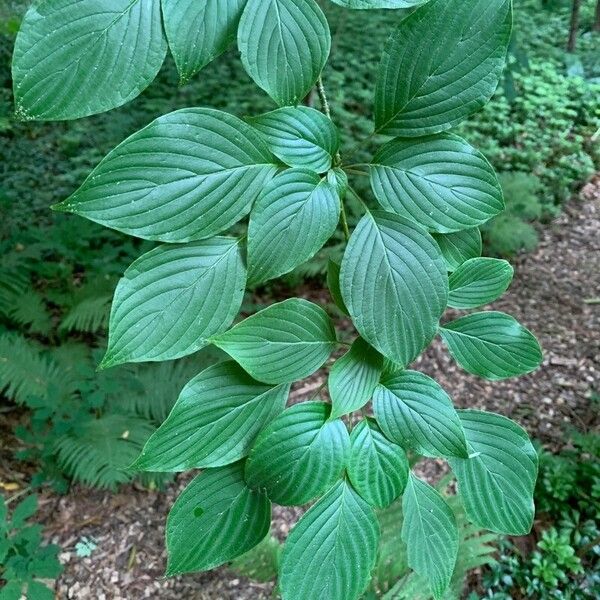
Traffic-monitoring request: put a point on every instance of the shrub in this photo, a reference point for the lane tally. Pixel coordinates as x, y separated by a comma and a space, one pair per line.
191, 175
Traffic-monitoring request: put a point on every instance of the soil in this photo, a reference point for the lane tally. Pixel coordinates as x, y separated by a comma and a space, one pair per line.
556, 294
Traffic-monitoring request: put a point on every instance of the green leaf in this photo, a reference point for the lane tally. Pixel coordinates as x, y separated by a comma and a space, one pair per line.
215, 519
187, 176
24, 510
198, 32
333, 283
440, 65
38, 591
440, 182
75, 58
492, 345
284, 46
216, 419
369, 4
173, 298
496, 482
284, 342
395, 285
299, 455
353, 378
414, 411
479, 281
291, 220
300, 137
331, 551
378, 468
459, 247
430, 533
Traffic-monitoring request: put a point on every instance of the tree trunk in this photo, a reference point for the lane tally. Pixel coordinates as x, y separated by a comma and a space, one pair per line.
574, 26
597, 21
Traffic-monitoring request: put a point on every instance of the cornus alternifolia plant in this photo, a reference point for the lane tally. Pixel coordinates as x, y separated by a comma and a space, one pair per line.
189, 176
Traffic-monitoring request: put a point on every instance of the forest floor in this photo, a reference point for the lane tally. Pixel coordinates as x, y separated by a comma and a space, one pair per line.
555, 293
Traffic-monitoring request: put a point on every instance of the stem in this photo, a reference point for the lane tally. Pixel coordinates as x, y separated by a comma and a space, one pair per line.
360, 144
344, 219
357, 196
323, 97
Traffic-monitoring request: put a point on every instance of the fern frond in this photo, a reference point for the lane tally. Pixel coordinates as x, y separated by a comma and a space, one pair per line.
88, 316
24, 370
29, 311
99, 452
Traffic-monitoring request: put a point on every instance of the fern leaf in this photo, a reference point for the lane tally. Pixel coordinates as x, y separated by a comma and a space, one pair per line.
90, 315
24, 370
29, 311
100, 451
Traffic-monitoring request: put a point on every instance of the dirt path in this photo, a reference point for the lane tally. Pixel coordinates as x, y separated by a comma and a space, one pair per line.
553, 294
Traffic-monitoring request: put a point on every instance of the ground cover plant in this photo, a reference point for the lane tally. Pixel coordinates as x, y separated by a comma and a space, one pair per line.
191, 175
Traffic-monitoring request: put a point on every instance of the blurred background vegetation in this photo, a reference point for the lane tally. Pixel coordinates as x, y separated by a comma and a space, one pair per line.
57, 273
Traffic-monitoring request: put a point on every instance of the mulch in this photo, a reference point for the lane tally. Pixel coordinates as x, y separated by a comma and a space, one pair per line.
556, 294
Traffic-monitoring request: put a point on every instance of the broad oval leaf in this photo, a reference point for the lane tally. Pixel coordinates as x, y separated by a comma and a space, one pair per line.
198, 32
395, 285
215, 519
413, 410
299, 455
284, 342
438, 181
370, 4
284, 46
459, 247
173, 298
291, 220
332, 549
187, 176
75, 58
299, 136
441, 64
353, 378
496, 482
430, 533
492, 345
214, 422
378, 468
479, 281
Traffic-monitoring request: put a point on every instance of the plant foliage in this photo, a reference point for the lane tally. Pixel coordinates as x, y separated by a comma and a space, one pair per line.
24, 560
189, 176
